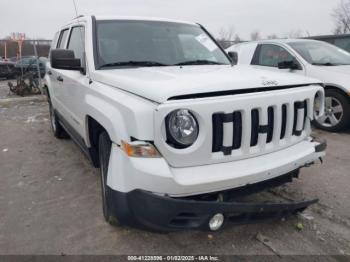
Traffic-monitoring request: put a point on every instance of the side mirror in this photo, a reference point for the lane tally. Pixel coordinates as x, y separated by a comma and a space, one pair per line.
234, 57
64, 59
292, 65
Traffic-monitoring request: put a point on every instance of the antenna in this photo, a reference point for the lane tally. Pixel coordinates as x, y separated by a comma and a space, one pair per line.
76, 9
81, 35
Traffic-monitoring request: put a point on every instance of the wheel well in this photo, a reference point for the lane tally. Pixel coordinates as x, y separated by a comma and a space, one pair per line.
338, 90
94, 131
47, 92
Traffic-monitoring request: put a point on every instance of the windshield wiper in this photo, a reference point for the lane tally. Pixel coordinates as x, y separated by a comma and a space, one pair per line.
199, 62
133, 63
325, 64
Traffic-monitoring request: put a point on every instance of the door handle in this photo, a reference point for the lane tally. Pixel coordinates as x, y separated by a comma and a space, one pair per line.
60, 78
49, 72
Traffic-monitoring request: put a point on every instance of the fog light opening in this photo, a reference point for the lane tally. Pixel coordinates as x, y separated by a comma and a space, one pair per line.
216, 222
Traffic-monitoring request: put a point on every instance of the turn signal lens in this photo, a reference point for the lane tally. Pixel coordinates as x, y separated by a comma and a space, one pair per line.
140, 149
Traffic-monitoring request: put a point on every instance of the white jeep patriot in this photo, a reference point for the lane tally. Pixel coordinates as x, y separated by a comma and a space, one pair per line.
177, 131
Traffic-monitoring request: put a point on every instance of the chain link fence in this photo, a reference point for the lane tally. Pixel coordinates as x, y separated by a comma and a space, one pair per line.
24, 64
10, 49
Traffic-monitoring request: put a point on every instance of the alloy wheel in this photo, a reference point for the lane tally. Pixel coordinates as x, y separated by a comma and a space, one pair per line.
333, 112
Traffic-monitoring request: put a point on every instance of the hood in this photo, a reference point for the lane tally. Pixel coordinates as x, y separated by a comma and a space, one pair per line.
160, 83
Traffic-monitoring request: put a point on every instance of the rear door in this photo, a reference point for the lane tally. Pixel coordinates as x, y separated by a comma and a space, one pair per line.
268, 56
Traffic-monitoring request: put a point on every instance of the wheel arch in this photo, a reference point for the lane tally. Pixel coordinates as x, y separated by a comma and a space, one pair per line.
104, 119
94, 129
339, 89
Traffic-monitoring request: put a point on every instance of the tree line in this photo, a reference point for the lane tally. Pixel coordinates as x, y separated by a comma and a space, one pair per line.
340, 15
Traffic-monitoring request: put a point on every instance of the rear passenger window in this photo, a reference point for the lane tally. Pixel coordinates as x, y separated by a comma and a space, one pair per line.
271, 55
76, 41
63, 39
343, 43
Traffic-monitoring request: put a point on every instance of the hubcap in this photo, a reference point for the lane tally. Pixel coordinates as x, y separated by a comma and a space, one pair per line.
333, 113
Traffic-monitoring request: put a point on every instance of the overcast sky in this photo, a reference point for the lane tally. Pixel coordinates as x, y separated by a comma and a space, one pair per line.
41, 18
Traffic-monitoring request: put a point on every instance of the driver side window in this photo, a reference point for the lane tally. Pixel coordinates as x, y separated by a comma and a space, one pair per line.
271, 55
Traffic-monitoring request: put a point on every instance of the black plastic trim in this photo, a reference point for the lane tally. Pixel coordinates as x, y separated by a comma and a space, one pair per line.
236, 92
88, 152
322, 146
94, 41
218, 120
149, 211
263, 129
284, 121
217, 43
298, 106
254, 127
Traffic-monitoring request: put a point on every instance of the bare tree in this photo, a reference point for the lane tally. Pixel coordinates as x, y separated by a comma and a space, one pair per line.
272, 36
341, 16
237, 39
254, 36
296, 33
226, 36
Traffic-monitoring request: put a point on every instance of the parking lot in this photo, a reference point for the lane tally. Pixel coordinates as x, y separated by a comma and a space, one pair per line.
51, 194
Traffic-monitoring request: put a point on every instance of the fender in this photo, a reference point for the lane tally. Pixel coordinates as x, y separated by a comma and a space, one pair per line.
107, 116
336, 86
122, 114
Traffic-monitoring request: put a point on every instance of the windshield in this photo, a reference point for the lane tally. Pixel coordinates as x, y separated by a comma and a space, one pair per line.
152, 43
320, 53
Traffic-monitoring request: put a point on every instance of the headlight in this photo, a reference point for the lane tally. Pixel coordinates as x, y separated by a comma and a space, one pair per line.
182, 128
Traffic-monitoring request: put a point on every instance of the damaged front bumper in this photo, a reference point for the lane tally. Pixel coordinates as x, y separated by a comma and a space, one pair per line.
164, 214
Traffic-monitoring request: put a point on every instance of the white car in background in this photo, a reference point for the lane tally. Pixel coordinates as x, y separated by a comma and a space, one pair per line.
312, 58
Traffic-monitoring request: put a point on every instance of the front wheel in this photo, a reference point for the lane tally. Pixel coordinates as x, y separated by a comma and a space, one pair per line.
105, 145
337, 112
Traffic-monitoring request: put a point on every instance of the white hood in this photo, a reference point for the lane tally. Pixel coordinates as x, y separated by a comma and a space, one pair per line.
160, 83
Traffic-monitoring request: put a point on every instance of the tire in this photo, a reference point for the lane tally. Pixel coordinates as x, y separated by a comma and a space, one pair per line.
104, 145
337, 112
57, 130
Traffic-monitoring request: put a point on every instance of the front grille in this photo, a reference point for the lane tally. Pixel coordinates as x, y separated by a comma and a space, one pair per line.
266, 125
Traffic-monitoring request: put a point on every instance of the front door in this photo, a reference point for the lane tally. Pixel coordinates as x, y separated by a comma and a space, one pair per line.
75, 82
268, 56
